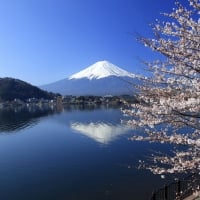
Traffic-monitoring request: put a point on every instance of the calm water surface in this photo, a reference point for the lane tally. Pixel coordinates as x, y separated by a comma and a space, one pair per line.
73, 154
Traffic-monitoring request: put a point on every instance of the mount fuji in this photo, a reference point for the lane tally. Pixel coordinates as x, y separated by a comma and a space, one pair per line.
101, 78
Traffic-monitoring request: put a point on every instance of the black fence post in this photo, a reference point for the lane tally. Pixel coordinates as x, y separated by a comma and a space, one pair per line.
165, 192
179, 189
154, 196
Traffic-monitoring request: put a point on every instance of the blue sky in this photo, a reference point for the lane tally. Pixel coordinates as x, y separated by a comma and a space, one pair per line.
42, 41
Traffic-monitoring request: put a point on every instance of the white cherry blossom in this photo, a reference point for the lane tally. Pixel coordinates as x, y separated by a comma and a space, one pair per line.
169, 99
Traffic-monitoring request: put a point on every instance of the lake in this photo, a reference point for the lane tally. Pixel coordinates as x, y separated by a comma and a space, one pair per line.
75, 153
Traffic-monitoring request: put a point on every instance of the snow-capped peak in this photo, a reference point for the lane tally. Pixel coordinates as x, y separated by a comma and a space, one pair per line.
100, 70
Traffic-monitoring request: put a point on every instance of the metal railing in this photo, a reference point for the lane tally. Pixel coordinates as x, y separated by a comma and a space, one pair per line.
178, 190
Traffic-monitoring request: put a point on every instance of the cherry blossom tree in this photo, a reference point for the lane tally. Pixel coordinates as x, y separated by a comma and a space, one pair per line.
169, 98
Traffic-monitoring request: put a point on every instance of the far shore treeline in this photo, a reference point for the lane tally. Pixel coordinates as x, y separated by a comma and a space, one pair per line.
17, 92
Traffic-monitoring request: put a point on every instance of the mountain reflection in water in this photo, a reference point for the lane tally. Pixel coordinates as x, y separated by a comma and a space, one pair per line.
100, 131
57, 154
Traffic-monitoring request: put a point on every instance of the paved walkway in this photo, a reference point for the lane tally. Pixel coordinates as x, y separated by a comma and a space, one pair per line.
195, 196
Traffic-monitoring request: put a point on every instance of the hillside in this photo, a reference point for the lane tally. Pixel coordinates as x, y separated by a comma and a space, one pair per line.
11, 88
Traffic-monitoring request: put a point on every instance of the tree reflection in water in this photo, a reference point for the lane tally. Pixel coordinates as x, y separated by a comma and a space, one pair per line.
14, 119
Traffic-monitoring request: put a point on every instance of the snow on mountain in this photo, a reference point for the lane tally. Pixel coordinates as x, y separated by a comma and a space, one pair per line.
100, 70
101, 78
